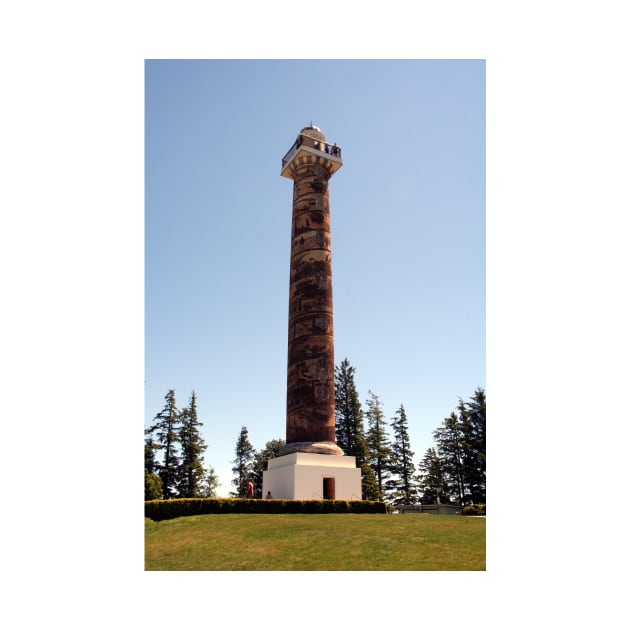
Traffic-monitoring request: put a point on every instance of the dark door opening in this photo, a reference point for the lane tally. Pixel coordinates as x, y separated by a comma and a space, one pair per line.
329, 488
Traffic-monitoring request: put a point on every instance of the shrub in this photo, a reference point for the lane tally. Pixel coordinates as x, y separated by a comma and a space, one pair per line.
478, 509
152, 486
174, 508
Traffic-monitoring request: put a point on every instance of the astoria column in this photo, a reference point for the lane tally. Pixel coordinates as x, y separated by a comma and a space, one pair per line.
310, 428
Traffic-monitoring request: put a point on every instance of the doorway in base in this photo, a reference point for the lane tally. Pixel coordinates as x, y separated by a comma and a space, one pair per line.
329, 489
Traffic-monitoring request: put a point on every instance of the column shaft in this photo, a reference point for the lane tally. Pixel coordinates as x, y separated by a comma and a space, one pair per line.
311, 364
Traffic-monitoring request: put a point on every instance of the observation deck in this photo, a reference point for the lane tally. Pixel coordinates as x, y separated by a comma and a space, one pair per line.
311, 148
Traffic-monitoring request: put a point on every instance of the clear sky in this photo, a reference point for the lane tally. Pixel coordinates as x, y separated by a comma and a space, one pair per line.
408, 236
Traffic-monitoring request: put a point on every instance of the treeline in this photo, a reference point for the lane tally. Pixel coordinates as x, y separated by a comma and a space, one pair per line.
173, 454
451, 471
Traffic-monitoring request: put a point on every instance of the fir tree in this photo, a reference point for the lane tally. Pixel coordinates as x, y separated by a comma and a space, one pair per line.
402, 486
473, 419
379, 447
261, 461
210, 483
166, 431
449, 439
150, 449
461, 449
153, 488
433, 481
369, 485
243, 464
350, 434
348, 413
191, 472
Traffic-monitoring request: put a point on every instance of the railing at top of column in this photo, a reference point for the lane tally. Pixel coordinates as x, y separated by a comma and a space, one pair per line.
324, 147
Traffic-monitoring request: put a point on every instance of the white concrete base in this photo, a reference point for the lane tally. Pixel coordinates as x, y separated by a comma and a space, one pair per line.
302, 475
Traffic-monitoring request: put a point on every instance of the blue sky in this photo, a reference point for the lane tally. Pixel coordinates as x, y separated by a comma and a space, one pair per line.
408, 236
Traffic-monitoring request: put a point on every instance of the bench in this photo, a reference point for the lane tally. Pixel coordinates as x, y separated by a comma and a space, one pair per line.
409, 508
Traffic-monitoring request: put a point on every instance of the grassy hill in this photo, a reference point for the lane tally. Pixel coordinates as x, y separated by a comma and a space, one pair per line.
316, 542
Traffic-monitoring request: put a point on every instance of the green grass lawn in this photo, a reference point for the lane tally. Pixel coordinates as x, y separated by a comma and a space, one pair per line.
316, 542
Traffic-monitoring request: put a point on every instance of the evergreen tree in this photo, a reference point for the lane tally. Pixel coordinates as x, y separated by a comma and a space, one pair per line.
369, 485
350, 434
191, 473
166, 431
152, 486
433, 482
473, 420
379, 447
150, 448
242, 464
449, 439
348, 413
210, 484
461, 449
402, 488
261, 460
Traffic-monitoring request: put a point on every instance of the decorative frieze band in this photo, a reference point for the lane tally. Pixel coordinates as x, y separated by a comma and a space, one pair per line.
304, 160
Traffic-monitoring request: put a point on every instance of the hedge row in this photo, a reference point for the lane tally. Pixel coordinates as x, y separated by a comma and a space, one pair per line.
478, 509
173, 508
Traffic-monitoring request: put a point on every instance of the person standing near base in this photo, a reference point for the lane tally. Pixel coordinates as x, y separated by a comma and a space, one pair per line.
250, 490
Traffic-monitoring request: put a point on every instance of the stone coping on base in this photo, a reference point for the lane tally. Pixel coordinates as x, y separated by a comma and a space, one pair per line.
321, 448
312, 459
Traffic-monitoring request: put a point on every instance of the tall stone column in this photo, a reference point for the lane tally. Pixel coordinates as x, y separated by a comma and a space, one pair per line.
310, 424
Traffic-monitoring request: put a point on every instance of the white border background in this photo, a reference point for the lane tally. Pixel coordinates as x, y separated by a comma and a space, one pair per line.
71, 250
